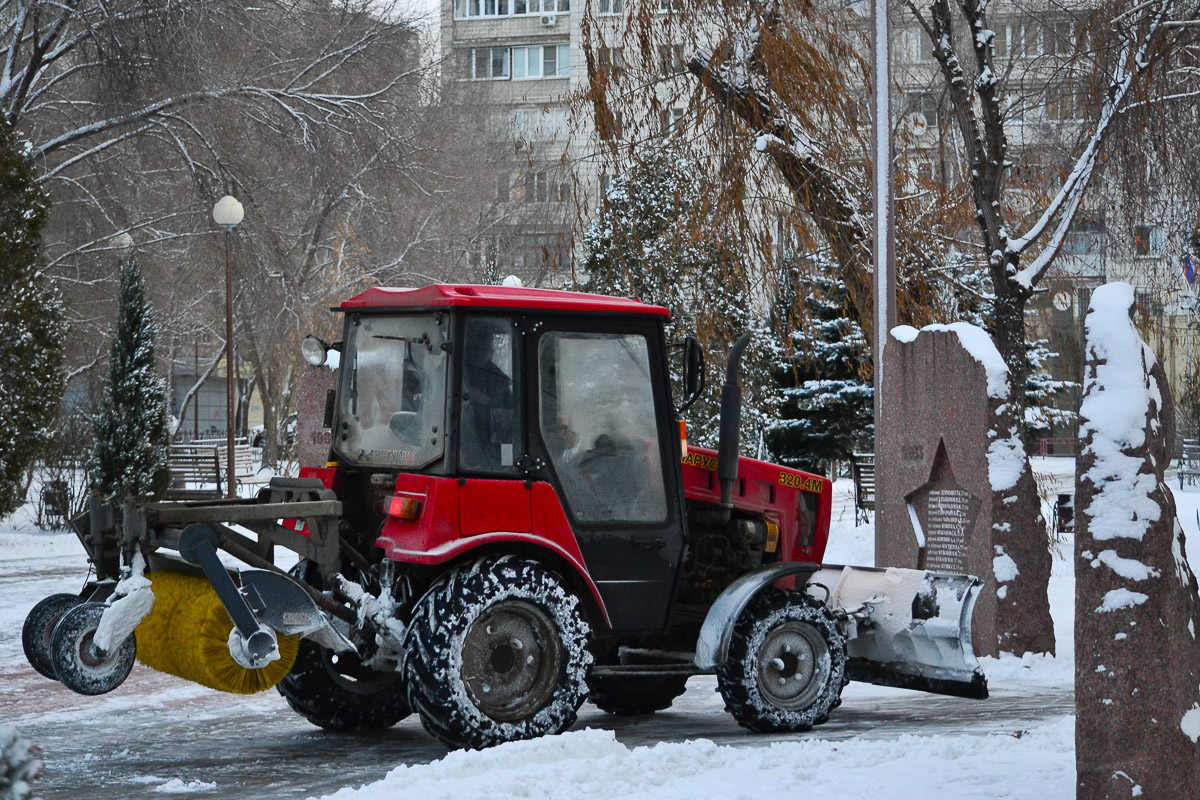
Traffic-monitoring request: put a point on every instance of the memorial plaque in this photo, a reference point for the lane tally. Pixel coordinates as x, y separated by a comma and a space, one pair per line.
942, 514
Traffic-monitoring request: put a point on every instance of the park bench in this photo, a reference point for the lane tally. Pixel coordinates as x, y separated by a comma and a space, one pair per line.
862, 467
195, 473
1189, 462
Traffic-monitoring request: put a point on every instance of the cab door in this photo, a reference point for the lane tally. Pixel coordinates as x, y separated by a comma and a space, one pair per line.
599, 419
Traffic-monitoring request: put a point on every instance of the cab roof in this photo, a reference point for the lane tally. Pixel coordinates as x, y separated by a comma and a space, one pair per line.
442, 295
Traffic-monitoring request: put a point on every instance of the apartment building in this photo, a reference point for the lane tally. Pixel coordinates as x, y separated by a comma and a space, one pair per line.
520, 60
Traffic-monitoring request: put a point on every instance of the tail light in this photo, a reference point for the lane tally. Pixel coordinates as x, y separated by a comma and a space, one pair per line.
404, 507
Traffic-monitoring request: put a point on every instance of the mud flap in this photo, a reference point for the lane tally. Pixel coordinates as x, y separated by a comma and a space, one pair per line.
913, 628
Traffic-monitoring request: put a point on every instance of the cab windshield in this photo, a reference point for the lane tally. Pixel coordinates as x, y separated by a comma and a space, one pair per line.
393, 391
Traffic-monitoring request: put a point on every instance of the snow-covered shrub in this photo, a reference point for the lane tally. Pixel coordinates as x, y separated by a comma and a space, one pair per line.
19, 765
31, 382
132, 436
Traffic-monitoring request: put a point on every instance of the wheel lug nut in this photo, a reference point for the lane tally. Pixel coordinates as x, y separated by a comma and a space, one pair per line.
517, 644
528, 659
490, 629
777, 663
486, 689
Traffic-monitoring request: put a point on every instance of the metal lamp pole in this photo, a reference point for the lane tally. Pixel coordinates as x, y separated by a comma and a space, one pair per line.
228, 213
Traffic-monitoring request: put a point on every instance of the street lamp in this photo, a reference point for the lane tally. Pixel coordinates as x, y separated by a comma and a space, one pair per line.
228, 213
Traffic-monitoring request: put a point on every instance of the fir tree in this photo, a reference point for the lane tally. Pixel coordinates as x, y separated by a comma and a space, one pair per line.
828, 410
31, 382
659, 241
131, 429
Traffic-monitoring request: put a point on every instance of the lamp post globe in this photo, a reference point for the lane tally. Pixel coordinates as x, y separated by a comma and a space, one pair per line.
228, 212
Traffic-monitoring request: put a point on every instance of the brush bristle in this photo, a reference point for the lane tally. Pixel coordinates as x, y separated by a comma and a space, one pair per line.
187, 634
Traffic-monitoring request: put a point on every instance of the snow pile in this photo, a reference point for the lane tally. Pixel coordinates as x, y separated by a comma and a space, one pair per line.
593, 764
1117, 398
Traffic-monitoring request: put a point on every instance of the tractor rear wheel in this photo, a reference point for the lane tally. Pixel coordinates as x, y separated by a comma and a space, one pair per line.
786, 664
335, 691
497, 651
38, 629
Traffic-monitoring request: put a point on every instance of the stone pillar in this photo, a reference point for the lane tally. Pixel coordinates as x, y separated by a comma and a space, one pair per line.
949, 485
1137, 661
312, 437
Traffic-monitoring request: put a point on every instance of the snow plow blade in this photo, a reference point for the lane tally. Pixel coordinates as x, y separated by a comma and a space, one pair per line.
912, 628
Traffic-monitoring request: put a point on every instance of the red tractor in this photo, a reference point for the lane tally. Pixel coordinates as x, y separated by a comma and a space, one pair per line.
509, 524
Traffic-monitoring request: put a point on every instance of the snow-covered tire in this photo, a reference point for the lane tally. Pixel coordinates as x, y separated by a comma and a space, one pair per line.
38, 629
497, 651
335, 691
632, 695
786, 665
78, 666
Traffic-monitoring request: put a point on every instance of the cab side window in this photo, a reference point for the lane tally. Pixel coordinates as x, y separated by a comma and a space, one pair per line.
596, 415
489, 426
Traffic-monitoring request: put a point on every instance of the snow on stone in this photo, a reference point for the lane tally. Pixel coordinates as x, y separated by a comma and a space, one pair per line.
1003, 566
1117, 599
1117, 397
1129, 568
975, 341
1190, 724
177, 786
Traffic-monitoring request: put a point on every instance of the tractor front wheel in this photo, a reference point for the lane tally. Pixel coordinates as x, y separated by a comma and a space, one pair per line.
786, 664
497, 651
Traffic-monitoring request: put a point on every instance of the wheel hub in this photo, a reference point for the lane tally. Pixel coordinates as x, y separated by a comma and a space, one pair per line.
793, 665
511, 659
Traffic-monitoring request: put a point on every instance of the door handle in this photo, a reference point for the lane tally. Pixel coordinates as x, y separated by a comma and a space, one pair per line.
656, 543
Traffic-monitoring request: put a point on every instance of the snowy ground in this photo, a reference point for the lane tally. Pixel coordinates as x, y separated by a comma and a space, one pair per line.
160, 735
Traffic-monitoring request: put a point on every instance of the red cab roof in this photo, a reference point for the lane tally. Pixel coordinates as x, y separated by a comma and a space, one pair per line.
440, 295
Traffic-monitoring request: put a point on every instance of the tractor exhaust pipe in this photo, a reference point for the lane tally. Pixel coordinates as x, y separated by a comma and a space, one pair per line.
731, 422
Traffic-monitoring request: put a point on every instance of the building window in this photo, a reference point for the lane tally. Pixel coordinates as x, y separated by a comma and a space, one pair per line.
915, 46
671, 120
667, 6
1149, 241
1020, 40
670, 59
541, 6
610, 58
465, 9
1062, 103
610, 6
1059, 38
542, 187
548, 61
610, 125
486, 64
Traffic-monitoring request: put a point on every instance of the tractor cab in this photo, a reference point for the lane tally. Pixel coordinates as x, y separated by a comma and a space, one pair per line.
536, 405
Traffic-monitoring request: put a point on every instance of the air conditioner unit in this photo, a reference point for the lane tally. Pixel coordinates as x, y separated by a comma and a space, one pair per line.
547, 19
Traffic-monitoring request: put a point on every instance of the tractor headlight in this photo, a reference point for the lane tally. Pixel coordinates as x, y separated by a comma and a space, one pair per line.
314, 350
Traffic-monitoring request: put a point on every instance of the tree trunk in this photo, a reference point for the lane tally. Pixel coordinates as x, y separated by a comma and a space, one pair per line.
1023, 621
1137, 661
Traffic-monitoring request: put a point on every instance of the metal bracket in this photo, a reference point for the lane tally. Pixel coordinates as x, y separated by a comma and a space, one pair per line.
198, 545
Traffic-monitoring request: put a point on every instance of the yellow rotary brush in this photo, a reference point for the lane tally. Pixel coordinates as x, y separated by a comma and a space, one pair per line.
187, 635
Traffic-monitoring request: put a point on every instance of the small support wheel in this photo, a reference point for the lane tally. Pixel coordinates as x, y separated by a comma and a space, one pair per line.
39, 628
497, 651
786, 665
78, 664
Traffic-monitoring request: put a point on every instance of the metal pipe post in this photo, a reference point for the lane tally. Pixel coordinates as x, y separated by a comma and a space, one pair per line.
229, 361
